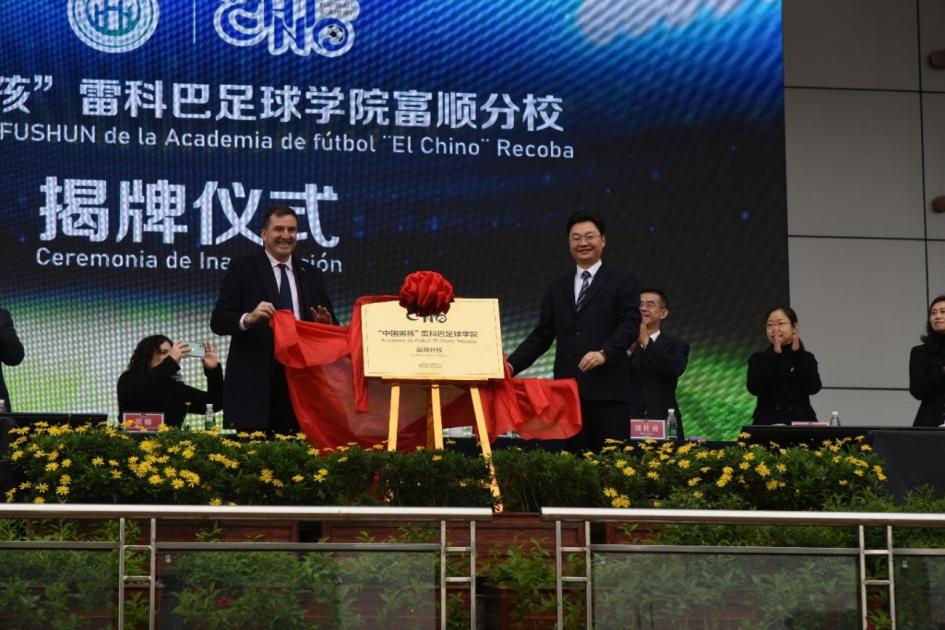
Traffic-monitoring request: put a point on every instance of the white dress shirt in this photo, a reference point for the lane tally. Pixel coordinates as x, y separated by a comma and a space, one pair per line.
578, 280
278, 275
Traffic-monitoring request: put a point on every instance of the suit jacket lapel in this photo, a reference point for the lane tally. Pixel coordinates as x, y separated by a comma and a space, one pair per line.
264, 268
300, 285
600, 278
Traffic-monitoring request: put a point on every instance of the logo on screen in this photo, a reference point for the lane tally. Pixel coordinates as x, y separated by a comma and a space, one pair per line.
113, 26
324, 27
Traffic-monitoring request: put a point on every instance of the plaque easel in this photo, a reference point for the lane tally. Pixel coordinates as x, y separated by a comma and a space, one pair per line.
463, 348
435, 421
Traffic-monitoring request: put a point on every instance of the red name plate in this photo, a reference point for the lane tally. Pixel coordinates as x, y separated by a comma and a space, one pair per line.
647, 429
142, 422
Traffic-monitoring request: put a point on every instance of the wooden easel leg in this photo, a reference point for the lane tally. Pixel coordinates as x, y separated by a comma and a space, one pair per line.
394, 414
485, 444
437, 416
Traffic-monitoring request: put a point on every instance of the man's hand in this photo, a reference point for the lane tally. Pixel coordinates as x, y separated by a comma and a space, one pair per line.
644, 337
210, 358
321, 314
592, 360
179, 350
262, 312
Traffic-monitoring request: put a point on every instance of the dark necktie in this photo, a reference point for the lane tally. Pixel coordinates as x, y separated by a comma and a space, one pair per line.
582, 294
285, 293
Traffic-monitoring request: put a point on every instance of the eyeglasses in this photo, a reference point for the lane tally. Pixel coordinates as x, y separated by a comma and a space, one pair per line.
580, 238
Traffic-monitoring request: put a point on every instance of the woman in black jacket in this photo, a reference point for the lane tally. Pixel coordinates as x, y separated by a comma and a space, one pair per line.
784, 376
927, 368
152, 383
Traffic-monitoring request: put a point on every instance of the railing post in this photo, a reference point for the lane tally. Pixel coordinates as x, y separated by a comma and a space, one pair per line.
472, 575
589, 587
152, 574
892, 575
121, 573
559, 579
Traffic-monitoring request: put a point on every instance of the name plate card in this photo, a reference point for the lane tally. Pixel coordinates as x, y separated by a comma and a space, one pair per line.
134, 422
463, 344
647, 429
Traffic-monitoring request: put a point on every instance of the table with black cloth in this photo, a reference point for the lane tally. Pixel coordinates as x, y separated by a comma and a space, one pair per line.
912, 456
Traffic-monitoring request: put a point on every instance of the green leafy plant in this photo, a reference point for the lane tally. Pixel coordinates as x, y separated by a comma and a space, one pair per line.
528, 573
63, 588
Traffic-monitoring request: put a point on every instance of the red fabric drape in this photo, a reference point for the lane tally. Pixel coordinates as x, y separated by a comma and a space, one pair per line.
336, 405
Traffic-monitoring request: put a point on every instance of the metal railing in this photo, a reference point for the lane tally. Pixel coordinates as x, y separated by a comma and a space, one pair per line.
860, 520
154, 514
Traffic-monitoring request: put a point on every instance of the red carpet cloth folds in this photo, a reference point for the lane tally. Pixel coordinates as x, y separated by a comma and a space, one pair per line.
336, 405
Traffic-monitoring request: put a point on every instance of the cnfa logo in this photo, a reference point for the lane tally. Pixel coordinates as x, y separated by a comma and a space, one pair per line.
114, 26
325, 27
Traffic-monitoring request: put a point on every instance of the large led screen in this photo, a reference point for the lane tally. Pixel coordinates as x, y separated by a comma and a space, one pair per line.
141, 140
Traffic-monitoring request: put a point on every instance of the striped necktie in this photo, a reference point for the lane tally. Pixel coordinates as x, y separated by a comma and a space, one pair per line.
582, 294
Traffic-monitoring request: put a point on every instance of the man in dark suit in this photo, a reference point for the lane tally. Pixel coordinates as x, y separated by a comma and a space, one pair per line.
593, 312
11, 352
255, 390
656, 363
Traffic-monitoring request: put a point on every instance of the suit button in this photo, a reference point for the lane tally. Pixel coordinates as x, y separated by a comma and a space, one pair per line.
577, 334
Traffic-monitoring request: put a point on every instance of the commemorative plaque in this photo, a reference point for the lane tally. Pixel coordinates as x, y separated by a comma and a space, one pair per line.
464, 344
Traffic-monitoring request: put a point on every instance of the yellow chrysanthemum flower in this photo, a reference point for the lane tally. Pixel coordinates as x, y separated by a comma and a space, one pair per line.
621, 502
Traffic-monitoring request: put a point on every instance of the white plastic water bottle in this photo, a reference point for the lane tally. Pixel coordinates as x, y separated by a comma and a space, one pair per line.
671, 424
835, 418
209, 421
